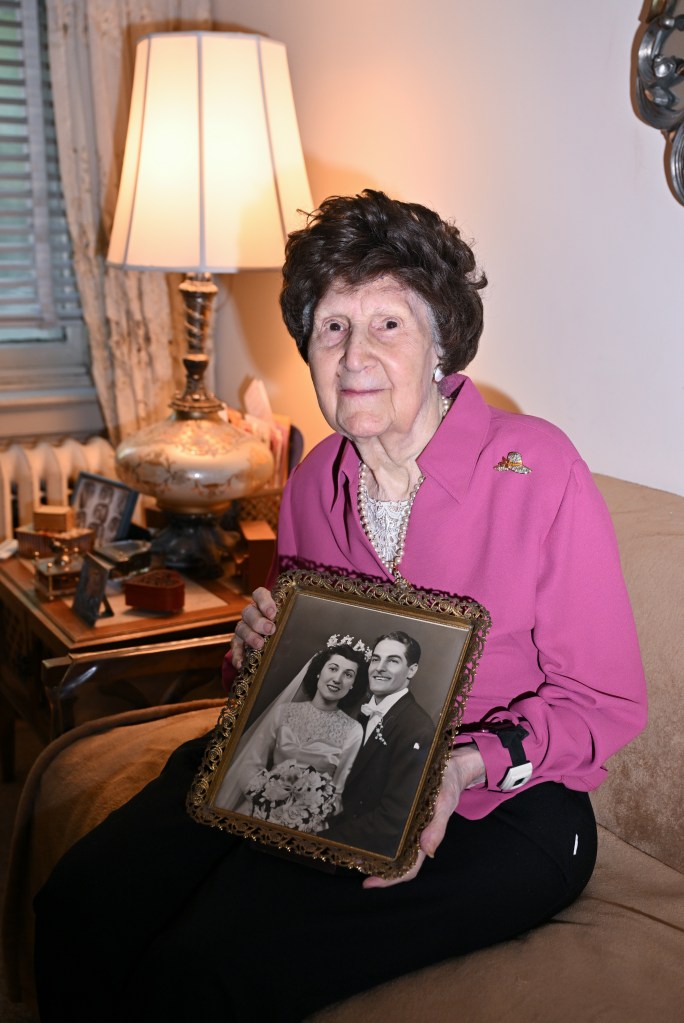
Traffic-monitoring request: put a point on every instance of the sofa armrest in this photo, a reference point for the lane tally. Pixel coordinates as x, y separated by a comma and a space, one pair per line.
642, 801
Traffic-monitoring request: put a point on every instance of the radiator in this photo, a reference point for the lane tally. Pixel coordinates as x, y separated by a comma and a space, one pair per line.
46, 473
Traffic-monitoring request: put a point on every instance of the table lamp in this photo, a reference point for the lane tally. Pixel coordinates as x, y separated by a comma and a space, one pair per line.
213, 180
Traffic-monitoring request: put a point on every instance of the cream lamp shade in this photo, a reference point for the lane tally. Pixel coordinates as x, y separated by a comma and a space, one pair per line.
213, 173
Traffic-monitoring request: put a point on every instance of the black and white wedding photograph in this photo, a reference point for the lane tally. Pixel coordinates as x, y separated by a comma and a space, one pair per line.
344, 721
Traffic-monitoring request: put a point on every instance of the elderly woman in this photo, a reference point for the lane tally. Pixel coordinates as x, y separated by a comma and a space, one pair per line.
170, 920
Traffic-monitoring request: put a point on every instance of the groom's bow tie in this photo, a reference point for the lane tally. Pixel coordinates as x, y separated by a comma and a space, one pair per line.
371, 710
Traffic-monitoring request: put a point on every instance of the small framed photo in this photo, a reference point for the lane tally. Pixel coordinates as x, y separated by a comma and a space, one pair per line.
103, 505
334, 739
90, 602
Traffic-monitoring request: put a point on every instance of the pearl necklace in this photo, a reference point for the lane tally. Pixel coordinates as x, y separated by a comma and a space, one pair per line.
364, 503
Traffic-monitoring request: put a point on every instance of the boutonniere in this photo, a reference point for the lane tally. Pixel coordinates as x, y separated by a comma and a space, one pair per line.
377, 734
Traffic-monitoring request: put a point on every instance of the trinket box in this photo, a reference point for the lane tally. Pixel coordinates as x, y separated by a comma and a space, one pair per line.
37, 543
54, 517
58, 575
126, 556
161, 589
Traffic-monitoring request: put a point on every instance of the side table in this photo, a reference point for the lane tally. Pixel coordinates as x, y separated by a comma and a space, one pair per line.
33, 630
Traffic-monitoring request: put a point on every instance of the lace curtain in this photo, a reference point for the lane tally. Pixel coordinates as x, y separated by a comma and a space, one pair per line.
131, 317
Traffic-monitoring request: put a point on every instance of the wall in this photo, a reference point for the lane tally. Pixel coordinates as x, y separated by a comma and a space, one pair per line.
513, 118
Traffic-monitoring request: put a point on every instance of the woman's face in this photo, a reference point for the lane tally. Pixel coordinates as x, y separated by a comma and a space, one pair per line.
372, 359
336, 678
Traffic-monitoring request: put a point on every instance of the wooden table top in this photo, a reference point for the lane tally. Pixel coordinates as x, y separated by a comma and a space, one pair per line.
210, 602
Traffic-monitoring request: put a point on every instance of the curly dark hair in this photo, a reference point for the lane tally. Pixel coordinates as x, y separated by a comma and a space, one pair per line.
360, 685
410, 645
351, 240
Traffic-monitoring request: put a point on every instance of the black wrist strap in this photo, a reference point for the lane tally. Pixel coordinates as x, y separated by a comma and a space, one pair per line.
511, 738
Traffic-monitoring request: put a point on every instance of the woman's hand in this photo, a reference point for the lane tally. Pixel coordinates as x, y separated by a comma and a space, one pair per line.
256, 622
465, 769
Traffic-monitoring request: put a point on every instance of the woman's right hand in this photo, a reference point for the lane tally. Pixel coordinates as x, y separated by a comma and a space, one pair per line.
256, 623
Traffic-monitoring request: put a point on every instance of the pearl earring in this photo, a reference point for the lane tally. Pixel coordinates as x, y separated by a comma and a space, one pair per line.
438, 374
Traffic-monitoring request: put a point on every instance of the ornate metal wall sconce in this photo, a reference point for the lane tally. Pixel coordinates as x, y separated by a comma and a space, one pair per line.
660, 81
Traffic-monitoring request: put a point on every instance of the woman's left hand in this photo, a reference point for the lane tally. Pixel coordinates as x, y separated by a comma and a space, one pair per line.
465, 768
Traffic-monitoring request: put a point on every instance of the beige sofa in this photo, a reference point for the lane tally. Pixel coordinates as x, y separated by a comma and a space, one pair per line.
616, 954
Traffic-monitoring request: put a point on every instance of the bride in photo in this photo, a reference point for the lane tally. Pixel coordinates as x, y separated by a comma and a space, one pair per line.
291, 765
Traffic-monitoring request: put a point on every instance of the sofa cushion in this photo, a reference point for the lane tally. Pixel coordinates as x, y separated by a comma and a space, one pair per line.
615, 954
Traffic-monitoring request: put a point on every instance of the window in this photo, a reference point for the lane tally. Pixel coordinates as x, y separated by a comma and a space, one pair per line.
42, 335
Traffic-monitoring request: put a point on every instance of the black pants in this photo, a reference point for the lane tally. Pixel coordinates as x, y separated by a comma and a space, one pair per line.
154, 917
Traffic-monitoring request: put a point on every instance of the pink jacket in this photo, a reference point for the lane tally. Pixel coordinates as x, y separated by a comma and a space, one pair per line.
536, 549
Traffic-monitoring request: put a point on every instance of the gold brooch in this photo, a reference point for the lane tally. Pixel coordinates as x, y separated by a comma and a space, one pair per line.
512, 462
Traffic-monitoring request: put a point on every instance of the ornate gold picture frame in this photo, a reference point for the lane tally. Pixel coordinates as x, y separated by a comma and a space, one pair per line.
335, 737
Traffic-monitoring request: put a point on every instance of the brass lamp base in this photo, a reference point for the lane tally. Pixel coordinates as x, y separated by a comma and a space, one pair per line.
194, 463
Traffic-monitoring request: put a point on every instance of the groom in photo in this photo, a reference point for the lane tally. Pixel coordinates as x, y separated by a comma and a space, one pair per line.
398, 733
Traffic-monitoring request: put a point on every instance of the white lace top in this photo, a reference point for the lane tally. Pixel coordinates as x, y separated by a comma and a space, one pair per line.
384, 524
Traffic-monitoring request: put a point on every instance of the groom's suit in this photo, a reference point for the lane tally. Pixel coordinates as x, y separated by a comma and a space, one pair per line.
382, 783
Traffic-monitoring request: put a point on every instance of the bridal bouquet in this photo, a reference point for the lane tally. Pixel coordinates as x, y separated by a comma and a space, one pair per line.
294, 795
